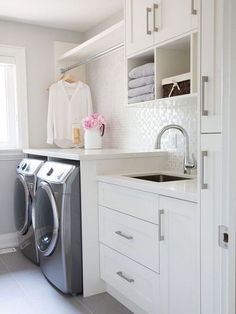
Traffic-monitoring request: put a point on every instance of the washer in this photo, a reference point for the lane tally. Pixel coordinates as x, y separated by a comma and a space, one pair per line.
57, 225
25, 187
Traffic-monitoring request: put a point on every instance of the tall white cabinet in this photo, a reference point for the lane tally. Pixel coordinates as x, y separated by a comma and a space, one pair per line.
211, 178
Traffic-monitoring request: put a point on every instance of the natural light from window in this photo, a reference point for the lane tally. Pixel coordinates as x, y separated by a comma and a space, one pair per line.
8, 125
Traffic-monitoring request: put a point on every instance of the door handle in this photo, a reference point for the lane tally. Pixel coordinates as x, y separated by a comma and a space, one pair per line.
193, 10
204, 81
155, 10
204, 185
161, 214
148, 11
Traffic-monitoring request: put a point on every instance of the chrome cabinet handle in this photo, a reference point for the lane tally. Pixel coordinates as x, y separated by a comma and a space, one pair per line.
204, 185
204, 81
155, 8
193, 10
121, 234
161, 236
119, 273
148, 10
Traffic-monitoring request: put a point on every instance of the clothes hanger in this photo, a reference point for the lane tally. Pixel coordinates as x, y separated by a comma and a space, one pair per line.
66, 77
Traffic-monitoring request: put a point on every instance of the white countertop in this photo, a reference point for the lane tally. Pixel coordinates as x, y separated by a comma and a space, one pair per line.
184, 189
83, 154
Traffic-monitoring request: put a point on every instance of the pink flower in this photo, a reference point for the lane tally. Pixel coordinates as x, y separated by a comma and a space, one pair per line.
95, 120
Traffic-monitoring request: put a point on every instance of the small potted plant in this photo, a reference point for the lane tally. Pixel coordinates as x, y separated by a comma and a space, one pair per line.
94, 127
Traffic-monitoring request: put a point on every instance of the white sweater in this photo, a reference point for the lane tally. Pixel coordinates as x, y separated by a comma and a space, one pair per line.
65, 109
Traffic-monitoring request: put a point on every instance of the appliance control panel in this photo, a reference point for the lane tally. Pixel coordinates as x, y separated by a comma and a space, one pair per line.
55, 172
29, 166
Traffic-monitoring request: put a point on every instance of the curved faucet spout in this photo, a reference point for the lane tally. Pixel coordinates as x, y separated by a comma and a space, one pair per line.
188, 164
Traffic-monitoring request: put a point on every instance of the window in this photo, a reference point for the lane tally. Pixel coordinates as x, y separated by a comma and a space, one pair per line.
13, 100
8, 118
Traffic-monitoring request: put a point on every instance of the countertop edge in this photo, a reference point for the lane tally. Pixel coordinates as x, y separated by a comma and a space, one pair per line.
156, 188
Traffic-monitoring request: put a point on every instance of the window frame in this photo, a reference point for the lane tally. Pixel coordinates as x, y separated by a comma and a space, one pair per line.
19, 54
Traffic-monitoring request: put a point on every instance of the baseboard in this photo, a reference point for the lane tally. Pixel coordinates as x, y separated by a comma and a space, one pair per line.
8, 240
123, 300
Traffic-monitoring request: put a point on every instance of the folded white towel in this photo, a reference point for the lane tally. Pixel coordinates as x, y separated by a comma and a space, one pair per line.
146, 80
141, 98
147, 89
142, 70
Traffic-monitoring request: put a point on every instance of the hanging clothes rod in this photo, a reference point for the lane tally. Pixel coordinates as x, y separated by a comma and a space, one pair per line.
90, 59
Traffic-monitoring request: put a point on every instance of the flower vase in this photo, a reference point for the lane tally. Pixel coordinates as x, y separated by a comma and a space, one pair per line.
92, 139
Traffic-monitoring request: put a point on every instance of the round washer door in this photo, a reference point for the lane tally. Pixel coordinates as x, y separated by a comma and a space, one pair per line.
22, 203
45, 219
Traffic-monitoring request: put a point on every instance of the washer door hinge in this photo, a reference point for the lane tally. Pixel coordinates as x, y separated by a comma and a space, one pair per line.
223, 237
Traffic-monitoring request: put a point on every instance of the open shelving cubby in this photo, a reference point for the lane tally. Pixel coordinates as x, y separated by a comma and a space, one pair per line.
175, 60
138, 60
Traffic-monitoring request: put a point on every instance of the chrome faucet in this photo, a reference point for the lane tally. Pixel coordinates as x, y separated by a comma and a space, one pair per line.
188, 164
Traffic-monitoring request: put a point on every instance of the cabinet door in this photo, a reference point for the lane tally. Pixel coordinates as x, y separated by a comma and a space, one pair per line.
211, 65
139, 25
211, 213
179, 257
174, 18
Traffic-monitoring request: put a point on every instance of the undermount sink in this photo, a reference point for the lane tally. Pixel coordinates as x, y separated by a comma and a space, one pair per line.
160, 178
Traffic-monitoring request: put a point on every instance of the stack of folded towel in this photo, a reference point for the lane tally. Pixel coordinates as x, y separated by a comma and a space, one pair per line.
141, 84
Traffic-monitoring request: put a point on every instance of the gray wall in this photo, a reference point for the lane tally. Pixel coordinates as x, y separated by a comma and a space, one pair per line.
38, 42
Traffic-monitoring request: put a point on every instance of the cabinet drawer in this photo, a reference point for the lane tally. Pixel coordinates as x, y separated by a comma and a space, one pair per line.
132, 237
136, 282
136, 203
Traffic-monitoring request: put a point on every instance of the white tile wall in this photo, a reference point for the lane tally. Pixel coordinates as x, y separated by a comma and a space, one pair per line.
131, 127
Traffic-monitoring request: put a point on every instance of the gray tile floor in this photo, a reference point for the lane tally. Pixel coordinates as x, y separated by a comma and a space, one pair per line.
24, 290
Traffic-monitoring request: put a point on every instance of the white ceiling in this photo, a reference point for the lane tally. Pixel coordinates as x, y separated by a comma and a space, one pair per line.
76, 15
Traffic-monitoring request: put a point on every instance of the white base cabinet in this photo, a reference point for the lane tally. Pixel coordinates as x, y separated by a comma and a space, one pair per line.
150, 249
179, 257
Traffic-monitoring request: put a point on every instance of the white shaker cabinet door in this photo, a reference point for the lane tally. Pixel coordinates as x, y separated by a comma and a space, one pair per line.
139, 25
211, 65
211, 216
174, 18
179, 257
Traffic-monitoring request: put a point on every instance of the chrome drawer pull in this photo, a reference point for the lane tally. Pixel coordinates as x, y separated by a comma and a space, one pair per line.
204, 185
148, 10
119, 273
121, 234
161, 236
204, 81
155, 10
193, 10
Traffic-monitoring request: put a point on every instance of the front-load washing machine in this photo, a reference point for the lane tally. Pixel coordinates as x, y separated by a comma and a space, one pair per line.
25, 187
57, 225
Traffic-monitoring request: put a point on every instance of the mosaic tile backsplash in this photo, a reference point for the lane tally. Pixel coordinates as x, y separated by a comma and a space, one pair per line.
138, 127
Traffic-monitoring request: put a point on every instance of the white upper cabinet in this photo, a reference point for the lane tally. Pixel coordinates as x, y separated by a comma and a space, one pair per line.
139, 25
149, 22
179, 257
174, 18
211, 65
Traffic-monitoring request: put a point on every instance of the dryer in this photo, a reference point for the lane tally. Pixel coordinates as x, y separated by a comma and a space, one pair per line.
25, 187
57, 225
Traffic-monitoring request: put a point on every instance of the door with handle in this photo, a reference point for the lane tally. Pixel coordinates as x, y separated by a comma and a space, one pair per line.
211, 65
174, 18
179, 256
139, 25
211, 214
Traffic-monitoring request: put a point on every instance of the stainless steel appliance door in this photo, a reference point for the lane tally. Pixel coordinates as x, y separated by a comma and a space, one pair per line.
45, 219
22, 203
